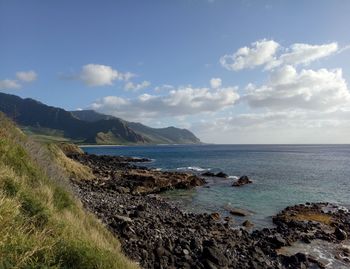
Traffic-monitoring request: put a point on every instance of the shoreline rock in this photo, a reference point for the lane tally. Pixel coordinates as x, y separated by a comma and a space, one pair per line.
116, 173
157, 234
243, 180
211, 174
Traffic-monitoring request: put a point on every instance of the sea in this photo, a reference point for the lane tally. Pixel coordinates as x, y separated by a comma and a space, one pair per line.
282, 175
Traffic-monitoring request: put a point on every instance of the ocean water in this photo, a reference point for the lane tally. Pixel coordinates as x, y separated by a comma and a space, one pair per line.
282, 175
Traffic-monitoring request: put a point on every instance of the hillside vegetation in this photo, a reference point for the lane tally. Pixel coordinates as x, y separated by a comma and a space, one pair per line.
42, 224
46, 123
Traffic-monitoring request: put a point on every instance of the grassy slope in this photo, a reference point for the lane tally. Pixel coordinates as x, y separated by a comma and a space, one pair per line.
42, 225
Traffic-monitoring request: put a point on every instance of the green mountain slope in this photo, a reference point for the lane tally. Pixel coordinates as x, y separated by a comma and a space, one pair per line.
42, 224
56, 124
168, 135
28, 112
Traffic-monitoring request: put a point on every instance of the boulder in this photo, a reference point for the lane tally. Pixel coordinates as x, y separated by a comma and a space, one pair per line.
211, 174
243, 180
247, 224
215, 255
215, 216
208, 174
221, 174
238, 212
340, 234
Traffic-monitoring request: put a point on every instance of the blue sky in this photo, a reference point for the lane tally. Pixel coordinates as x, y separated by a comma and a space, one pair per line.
180, 43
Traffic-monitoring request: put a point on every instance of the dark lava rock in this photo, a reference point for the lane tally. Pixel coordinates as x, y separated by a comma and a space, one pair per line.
340, 234
211, 174
243, 180
247, 224
238, 212
157, 234
208, 174
214, 255
221, 174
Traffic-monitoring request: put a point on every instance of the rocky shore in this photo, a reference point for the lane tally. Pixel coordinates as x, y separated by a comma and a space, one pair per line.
158, 235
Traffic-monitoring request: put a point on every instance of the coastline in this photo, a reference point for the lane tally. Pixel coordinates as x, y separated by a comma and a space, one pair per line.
157, 234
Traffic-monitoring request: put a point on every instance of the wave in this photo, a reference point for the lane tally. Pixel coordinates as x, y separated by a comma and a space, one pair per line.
157, 169
193, 168
233, 177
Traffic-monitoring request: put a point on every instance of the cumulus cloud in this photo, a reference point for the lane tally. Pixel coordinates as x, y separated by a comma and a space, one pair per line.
278, 127
9, 84
215, 83
313, 90
22, 76
270, 54
95, 75
130, 86
300, 53
180, 102
261, 52
164, 88
26, 76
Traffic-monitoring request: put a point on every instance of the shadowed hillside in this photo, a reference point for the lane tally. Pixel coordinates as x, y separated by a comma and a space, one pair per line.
168, 135
85, 126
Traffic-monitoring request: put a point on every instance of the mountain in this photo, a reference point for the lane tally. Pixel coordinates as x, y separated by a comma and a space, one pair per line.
168, 135
83, 126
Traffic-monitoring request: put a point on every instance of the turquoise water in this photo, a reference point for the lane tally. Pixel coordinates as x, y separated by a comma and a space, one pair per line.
283, 175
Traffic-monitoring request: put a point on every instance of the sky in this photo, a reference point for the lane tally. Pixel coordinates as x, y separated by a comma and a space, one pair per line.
235, 72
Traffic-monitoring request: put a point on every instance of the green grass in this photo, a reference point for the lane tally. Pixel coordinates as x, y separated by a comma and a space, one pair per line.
42, 225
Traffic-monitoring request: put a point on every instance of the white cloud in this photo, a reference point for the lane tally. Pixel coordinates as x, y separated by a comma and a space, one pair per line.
313, 90
265, 53
94, 75
9, 84
278, 127
164, 87
300, 53
261, 52
27, 76
180, 102
215, 83
130, 86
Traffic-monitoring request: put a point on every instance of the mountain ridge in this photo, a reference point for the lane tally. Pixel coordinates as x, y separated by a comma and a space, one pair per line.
90, 126
165, 135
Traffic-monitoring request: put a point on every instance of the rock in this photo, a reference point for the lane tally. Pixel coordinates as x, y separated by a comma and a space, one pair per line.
122, 218
247, 224
340, 234
277, 241
238, 212
122, 189
209, 265
211, 174
208, 174
214, 255
156, 234
221, 174
215, 216
243, 180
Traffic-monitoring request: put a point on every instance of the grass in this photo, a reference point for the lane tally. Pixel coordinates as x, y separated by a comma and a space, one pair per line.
314, 216
75, 170
42, 224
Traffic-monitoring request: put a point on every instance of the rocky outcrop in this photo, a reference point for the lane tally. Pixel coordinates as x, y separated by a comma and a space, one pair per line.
211, 174
243, 180
117, 174
157, 234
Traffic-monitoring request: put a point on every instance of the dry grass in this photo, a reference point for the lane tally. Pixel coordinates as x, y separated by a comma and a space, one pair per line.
42, 224
75, 170
69, 148
314, 216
